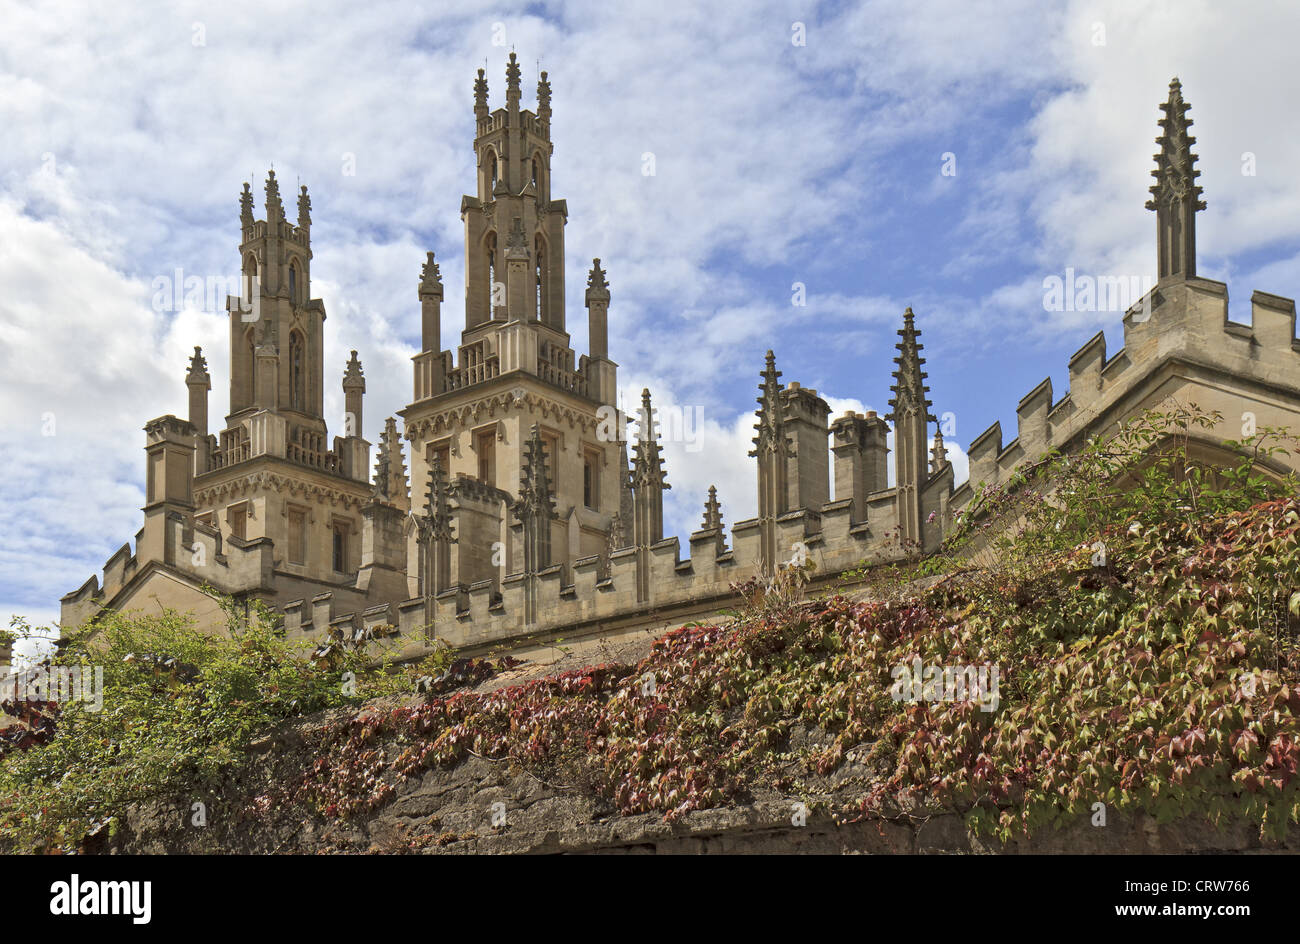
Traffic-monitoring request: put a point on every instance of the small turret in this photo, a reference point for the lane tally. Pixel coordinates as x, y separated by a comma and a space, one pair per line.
354, 386
597, 299
430, 305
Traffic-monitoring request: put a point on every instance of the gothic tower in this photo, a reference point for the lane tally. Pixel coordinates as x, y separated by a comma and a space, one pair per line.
473, 411
272, 472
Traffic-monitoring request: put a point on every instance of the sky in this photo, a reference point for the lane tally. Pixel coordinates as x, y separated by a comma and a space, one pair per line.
858, 157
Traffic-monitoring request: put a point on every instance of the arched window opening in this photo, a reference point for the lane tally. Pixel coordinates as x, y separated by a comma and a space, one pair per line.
539, 255
492, 174
250, 277
536, 176
492, 289
293, 283
297, 373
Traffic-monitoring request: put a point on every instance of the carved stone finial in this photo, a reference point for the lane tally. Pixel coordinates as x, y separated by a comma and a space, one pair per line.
304, 208
597, 286
543, 98
938, 454
353, 379
198, 373
274, 208
246, 208
480, 95
430, 278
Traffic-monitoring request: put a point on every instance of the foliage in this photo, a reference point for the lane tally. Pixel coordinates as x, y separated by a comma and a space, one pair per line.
1160, 676
1168, 688
179, 710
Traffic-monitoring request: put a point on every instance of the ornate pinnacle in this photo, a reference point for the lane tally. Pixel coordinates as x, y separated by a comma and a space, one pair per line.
938, 454
712, 511
304, 208
512, 83
534, 483
352, 376
274, 208
1175, 172
543, 98
246, 208
198, 369
909, 379
771, 423
597, 287
390, 470
436, 520
430, 278
647, 461
380, 491
480, 95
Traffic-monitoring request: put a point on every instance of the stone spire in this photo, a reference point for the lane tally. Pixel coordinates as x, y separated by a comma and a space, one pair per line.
772, 450
304, 209
938, 454
274, 208
246, 209
512, 84
648, 479
1175, 196
910, 414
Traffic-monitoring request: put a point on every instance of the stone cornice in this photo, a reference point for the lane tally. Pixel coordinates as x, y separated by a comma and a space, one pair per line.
503, 400
268, 481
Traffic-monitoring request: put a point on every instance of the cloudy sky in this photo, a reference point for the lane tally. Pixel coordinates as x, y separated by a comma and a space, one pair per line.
949, 156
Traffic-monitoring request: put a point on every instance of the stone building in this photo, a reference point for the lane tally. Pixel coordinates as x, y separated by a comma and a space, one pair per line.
526, 515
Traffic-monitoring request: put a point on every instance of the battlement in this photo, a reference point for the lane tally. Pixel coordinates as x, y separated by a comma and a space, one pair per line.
1179, 345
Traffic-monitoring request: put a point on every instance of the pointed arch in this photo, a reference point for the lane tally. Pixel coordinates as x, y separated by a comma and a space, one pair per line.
297, 370
542, 279
250, 276
489, 172
493, 268
294, 281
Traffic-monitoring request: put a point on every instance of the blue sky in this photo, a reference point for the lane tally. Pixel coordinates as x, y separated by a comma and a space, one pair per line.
129, 135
